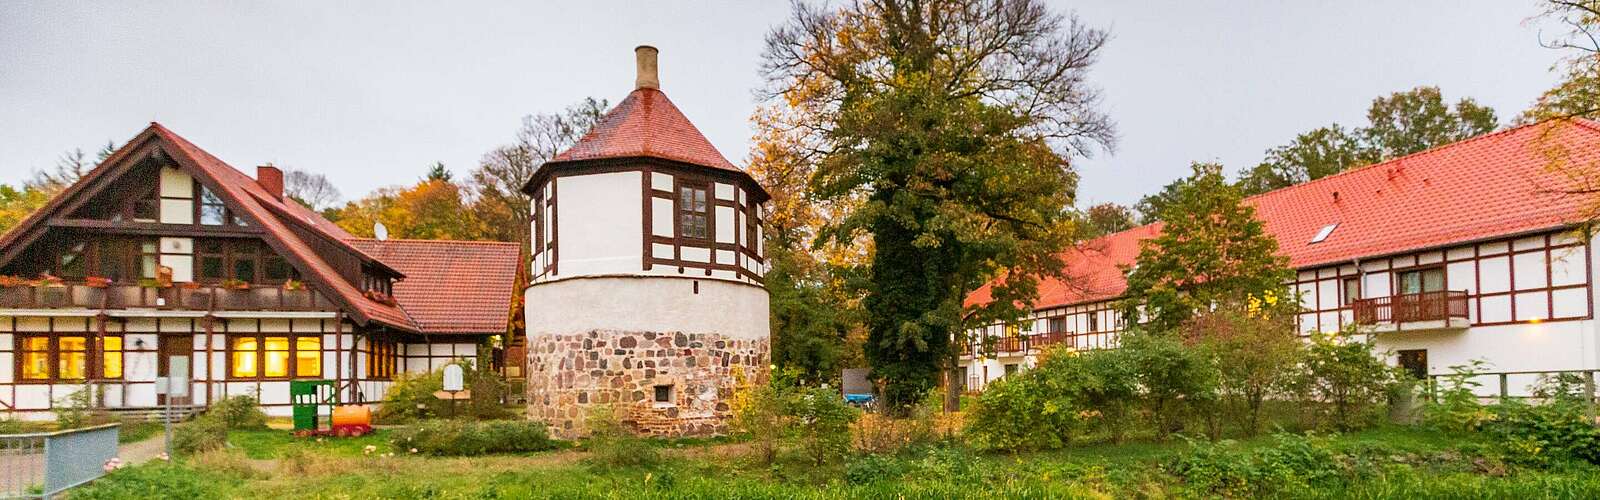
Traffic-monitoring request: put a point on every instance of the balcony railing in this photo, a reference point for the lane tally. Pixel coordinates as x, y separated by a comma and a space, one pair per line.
203, 298
1411, 307
1020, 344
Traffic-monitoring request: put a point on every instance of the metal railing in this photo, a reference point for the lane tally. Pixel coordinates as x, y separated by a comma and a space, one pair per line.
201, 298
43, 464
1425, 306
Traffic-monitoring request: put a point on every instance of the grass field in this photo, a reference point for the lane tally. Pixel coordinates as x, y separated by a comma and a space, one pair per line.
1392, 462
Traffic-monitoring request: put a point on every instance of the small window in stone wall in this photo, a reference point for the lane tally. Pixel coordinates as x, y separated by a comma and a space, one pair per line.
664, 393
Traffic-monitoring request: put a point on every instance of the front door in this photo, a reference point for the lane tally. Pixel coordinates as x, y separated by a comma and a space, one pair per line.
175, 346
1415, 362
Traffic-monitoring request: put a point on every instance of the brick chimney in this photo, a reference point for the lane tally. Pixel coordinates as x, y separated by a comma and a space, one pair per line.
270, 179
645, 60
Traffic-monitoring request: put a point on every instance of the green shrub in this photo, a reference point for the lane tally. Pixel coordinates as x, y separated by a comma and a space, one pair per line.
1454, 406
1342, 380
1559, 428
868, 469
200, 435
461, 438
760, 413
822, 424
1175, 378
411, 397
1030, 410
1291, 464
612, 444
238, 412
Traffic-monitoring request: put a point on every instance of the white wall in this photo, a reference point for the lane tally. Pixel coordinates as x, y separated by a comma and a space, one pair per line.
648, 305
599, 224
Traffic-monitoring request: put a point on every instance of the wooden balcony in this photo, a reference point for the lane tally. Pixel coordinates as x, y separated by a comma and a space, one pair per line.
1444, 310
175, 298
1018, 345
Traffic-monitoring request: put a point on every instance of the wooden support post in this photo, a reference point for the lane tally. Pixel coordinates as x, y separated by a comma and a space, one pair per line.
211, 370
338, 360
1588, 395
1504, 391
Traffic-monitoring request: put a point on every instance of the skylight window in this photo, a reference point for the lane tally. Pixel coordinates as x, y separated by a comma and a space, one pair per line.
1324, 233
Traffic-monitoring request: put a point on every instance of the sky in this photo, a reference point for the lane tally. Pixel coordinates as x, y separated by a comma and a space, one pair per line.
372, 93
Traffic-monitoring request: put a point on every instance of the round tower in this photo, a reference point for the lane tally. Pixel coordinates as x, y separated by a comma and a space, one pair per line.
646, 293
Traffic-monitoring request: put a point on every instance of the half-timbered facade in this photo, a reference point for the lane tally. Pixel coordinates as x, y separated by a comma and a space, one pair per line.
1459, 253
647, 267
165, 256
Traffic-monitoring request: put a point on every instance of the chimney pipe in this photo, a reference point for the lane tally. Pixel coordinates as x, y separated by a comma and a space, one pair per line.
270, 179
645, 61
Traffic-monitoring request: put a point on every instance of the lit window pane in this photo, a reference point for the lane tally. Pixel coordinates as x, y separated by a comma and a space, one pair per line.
36, 344
308, 357
73, 364
36, 365
244, 357
73, 343
112, 354
276, 362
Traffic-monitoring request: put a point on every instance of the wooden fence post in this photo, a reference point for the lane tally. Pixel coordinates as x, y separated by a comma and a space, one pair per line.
1588, 395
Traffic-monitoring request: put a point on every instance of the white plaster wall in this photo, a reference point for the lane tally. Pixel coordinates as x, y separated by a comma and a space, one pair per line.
648, 304
599, 224
176, 183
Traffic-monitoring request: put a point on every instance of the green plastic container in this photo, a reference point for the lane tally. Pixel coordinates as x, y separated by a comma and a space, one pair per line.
306, 396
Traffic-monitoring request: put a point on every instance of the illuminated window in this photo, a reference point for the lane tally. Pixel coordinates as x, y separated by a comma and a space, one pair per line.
693, 212
275, 351
382, 359
111, 357
246, 351
308, 357
36, 358
72, 358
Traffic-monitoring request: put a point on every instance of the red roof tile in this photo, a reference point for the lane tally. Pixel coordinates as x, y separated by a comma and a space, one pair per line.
646, 124
452, 286
1494, 185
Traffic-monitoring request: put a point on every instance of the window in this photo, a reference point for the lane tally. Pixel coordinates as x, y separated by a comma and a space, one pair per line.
382, 359
35, 358
663, 393
111, 357
1011, 369
212, 260
212, 211
149, 259
46, 358
245, 351
72, 358
277, 269
1420, 281
1352, 290
242, 261
276, 356
1414, 362
1094, 322
1057, 324
750, 224
308, 356
693, 212
72, 263
538, 222
1324, 233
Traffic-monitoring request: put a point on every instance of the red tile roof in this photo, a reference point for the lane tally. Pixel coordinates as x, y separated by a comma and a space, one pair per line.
452, 286
646, 124
1494, 185
270, 212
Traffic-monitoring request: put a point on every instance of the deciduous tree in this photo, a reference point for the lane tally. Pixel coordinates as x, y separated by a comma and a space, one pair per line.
1107, 218
311, 189
949, 124
1211, 250
496, 185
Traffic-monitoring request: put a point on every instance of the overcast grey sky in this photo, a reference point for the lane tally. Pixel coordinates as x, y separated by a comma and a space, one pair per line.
371, 93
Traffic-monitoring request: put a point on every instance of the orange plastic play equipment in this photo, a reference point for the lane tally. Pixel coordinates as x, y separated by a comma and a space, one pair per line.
352, 420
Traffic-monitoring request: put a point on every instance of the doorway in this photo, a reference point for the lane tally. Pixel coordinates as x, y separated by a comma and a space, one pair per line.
175, 347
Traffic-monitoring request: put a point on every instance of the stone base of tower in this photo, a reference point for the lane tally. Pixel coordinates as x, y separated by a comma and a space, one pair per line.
657, 383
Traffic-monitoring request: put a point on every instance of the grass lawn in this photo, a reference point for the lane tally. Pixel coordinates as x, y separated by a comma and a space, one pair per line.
1390, 462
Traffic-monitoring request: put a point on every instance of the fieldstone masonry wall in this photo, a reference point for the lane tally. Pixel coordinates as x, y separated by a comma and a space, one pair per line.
571, 374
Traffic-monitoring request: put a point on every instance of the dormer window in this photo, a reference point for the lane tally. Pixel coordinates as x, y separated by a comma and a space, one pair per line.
693, 211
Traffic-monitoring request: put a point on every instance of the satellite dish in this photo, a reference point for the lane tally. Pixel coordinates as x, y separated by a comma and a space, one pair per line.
380, 232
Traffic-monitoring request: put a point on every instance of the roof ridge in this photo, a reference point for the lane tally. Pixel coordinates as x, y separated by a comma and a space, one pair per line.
1404, 157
